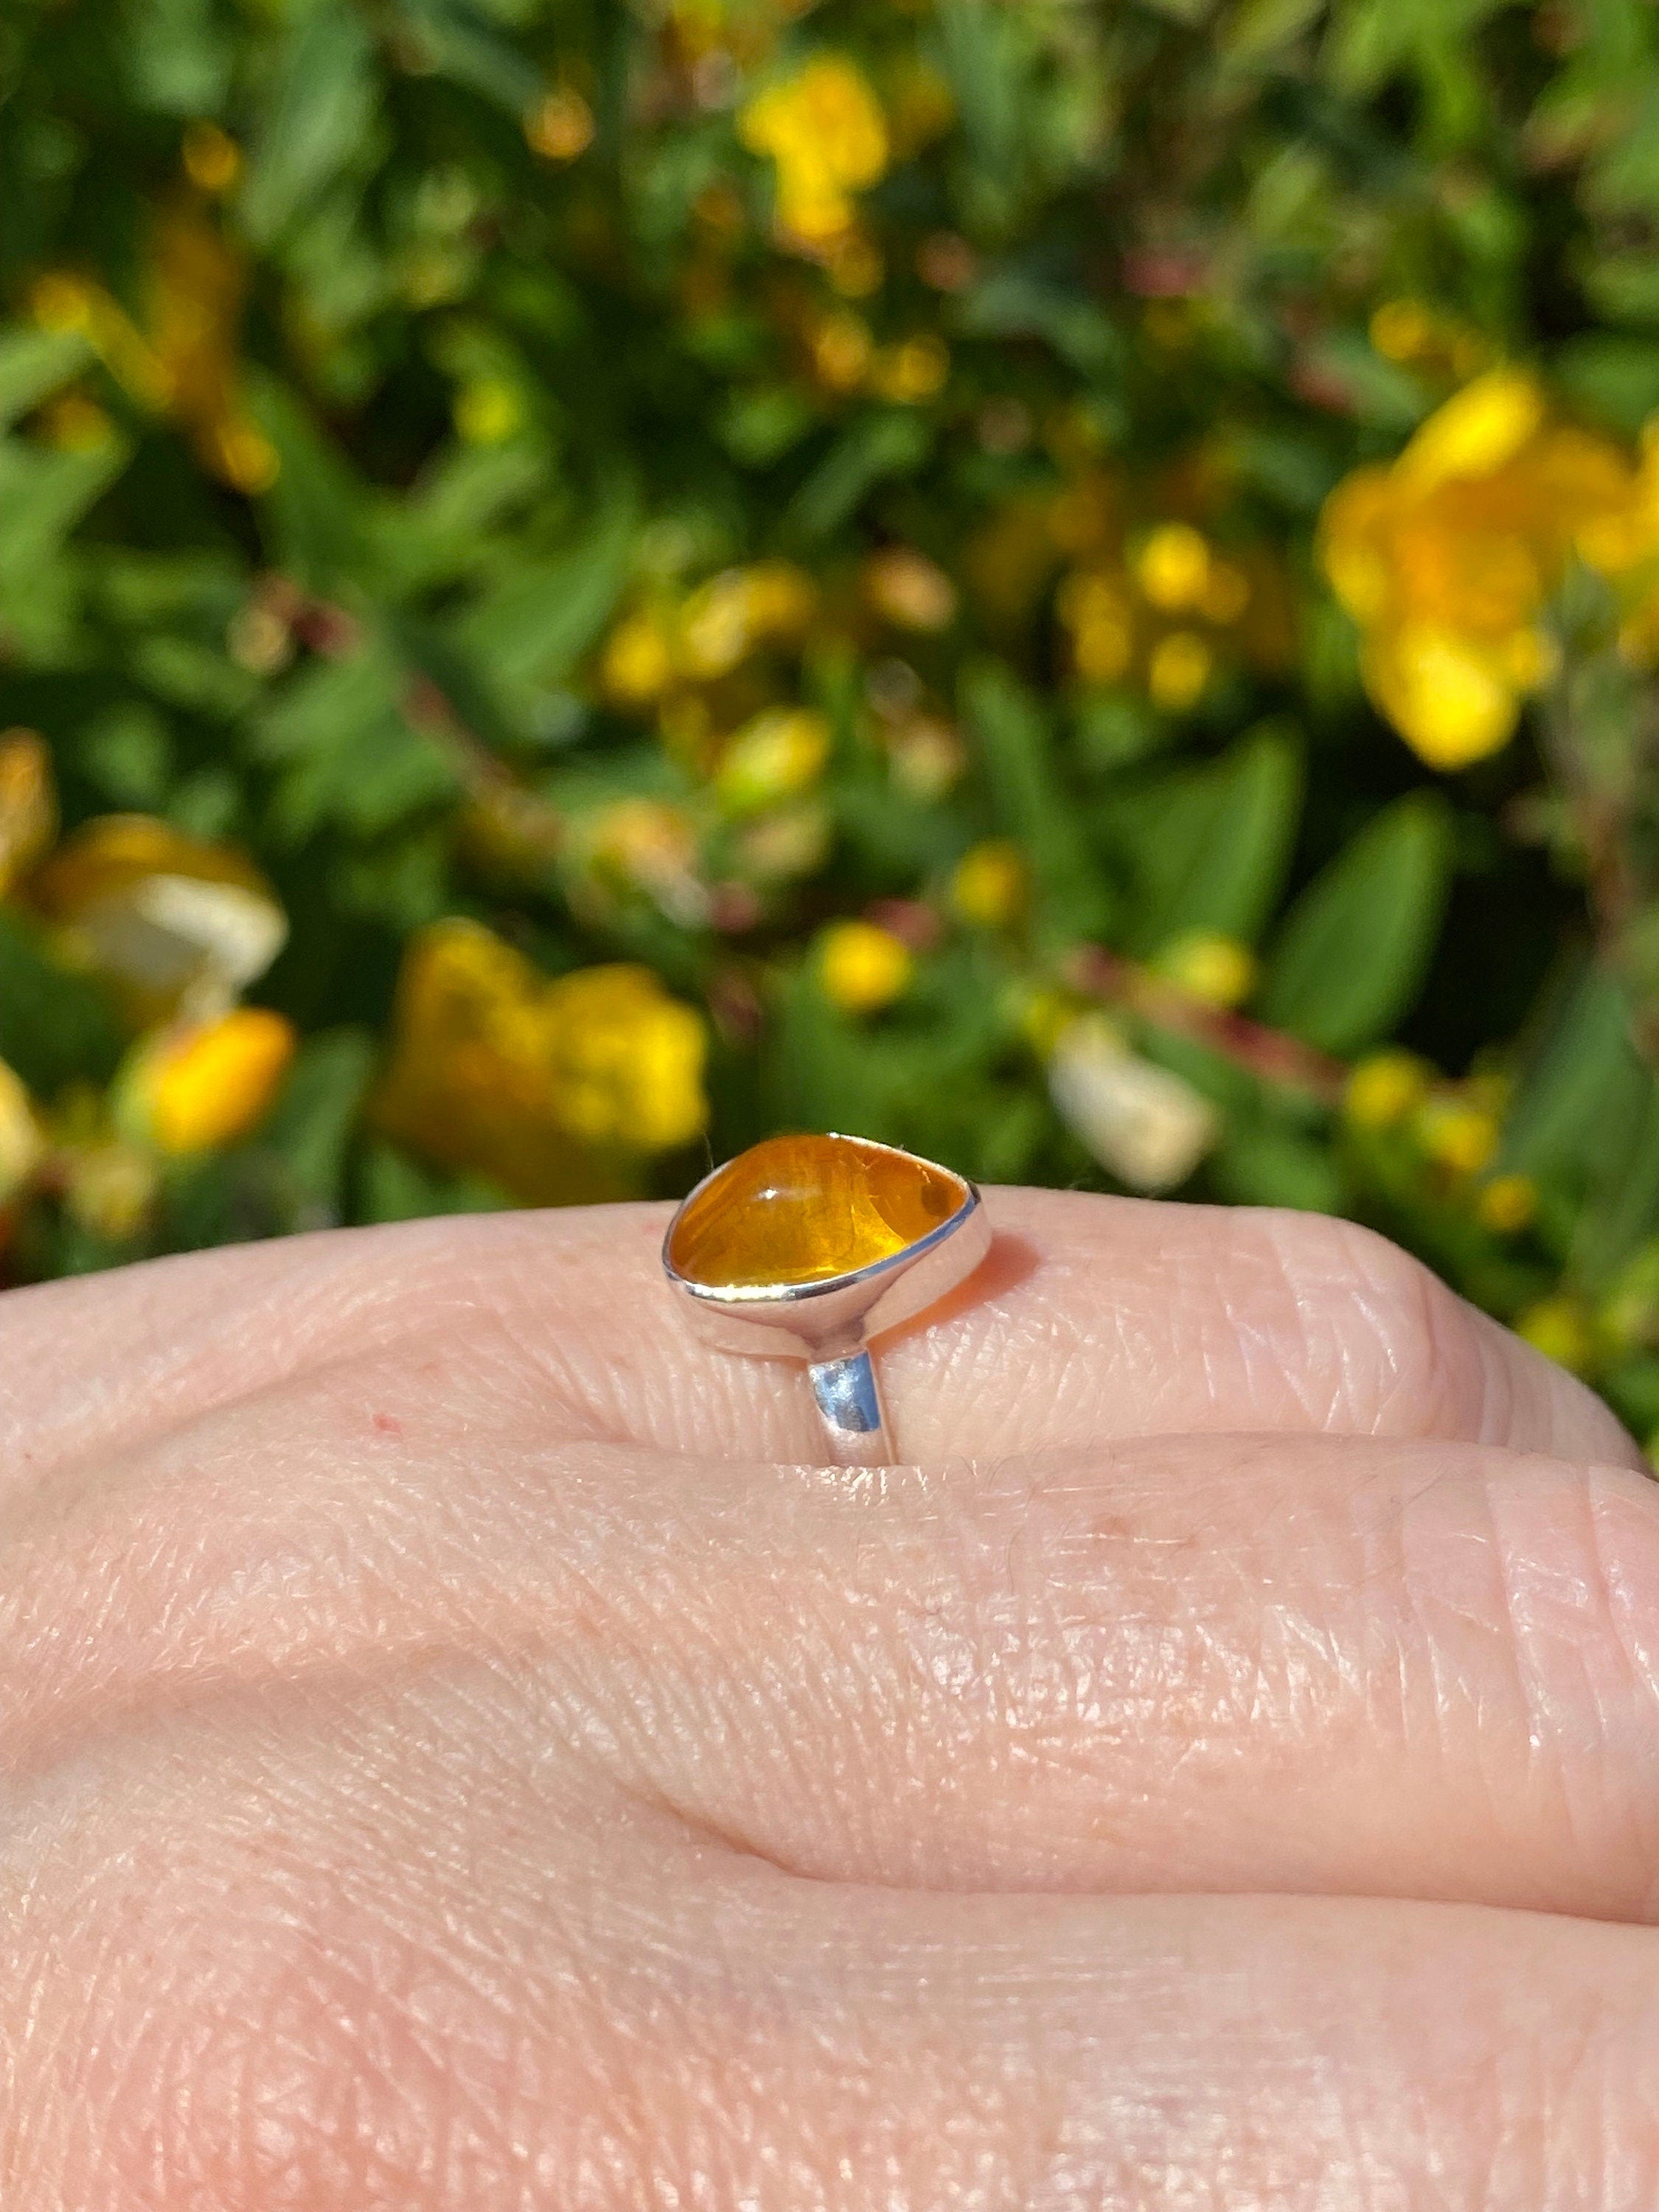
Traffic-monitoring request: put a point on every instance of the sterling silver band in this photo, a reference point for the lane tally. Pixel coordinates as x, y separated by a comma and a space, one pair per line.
849, 1399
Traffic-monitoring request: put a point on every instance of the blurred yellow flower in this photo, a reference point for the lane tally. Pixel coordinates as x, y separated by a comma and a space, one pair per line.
22, 1144
1384, 1088
990, 884
1403, 330
487, 410
1560, 1328
554, 1089
727, 617
75, 423
1178, 671
776, 756
628, 1060
179, 926
1508, 1204
212, 159
202, 1086
1206, 965
863, 967
825, 131
1459, 1135
1095, 608
560, 127
913, 370
1173, 568
843, 349
909, 590
1446, 559
29, 803
856, 267
637, 665
110, 1187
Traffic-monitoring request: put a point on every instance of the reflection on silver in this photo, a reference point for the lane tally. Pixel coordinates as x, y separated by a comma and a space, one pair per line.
829, 1324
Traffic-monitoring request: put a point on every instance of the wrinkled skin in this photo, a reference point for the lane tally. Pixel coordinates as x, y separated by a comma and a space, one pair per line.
459, 1753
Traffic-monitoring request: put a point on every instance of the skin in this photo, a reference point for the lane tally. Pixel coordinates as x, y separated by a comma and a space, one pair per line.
459, 1751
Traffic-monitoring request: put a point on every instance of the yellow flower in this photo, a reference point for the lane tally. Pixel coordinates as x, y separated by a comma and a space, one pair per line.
716, 625
552, 1089
1384, 1089
1559, 1327
1479, 431
1452, 700
856, 267
1095, 608
909, 590
29, 803
240, 451
212, 159
22, 1146
776, 756
1459, 1135
1206, 965
637, 665
627, 1059
914, 370
203, 1086
1446, 560
1508, 1204
1178, 671
60, 300
488, 410
110, 1188
561, 127
826, 133
180, 926
990, 884
841, 350
1173, 568
1403, 330
863, 967
75, 424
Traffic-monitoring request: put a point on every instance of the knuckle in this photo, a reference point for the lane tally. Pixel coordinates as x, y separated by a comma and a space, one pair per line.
1394, 1351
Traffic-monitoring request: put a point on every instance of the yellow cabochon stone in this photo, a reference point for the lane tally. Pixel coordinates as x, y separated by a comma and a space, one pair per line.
803, 1209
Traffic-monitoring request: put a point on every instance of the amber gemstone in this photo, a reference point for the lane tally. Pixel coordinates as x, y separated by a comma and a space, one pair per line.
803, 1209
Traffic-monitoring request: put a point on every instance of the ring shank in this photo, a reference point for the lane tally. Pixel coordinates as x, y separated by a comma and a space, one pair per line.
849, 1400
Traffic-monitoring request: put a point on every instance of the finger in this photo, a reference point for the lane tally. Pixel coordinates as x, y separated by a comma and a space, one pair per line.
373, 1956
1303, 1664
1093, 1318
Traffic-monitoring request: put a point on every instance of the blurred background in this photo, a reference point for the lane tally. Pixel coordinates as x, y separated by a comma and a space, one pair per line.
1071, 584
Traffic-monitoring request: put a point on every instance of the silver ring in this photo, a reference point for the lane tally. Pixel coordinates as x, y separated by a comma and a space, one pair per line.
807, 1247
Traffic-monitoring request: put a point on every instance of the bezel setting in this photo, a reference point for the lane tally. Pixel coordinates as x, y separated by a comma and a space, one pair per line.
836, 1313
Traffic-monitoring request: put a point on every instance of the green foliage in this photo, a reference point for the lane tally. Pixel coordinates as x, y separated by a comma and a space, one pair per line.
389, 394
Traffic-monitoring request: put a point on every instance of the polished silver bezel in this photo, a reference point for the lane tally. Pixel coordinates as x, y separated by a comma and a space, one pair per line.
811, 1321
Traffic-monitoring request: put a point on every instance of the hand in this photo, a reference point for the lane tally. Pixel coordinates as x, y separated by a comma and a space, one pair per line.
456, 1756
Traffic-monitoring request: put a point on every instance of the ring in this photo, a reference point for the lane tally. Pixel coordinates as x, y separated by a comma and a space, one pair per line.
807, 1247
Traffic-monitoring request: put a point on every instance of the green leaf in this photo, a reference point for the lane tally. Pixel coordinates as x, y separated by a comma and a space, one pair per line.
1017, 754
528, 632
324, 100
34, 364
892, 443
55, 1025
348, 755
1208, 848
311, 1125
314, 514
1355, 951
179, 56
